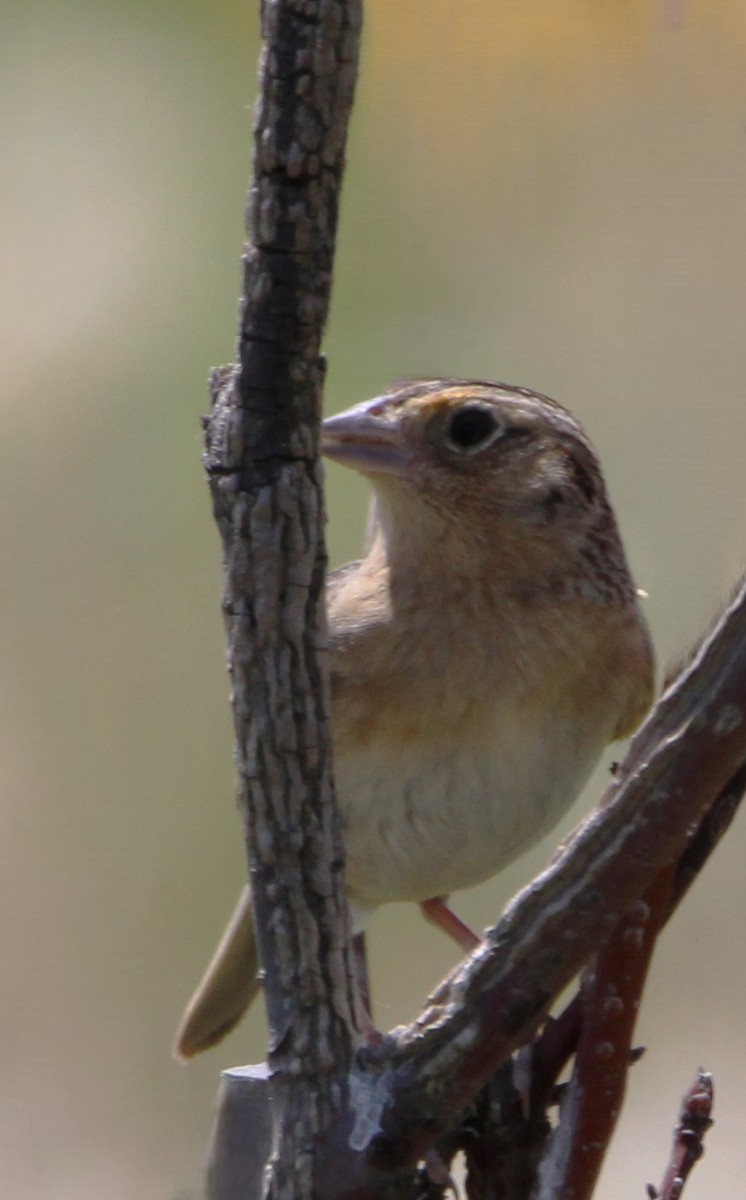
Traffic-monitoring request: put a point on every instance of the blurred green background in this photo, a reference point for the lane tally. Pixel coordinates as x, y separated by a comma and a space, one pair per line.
552, 194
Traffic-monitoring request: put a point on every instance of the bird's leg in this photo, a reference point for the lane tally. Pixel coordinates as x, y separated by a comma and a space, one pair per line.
436, 911
361, 969
360, 954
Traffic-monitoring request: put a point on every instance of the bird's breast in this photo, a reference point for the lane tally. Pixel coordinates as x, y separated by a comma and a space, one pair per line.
464, 727
427, 815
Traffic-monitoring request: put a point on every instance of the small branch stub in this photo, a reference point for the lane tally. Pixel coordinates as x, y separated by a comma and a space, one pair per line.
688, 1146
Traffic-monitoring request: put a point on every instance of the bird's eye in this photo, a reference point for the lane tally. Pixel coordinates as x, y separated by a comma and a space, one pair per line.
472, 427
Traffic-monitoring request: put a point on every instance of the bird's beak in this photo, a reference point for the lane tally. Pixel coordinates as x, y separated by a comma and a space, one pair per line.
367, 437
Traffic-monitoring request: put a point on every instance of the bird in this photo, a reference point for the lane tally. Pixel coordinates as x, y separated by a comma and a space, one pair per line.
483, 652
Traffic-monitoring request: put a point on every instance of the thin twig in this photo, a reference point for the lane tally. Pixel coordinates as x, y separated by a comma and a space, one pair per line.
688, 1145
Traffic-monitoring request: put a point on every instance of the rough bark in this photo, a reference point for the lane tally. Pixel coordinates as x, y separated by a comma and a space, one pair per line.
262, 462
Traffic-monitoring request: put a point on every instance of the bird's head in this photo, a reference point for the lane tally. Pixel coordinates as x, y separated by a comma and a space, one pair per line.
488, 461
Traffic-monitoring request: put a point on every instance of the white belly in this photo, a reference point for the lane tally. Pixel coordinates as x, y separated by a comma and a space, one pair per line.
424, 820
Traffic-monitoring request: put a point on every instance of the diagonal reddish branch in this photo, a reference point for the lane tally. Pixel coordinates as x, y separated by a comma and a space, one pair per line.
559, 1037
610, 998
412, 1088
688, 1147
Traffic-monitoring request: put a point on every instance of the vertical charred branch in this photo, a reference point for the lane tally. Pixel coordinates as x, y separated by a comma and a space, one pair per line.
262, 439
